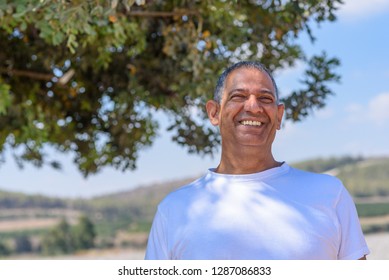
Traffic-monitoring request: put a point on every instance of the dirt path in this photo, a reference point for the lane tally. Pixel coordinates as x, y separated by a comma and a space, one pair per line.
27, 224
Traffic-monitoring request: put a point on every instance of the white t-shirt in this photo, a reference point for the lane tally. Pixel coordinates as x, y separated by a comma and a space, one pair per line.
281, 213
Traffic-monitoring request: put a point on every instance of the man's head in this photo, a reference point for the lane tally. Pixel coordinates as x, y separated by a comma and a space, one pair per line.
218, 94
246, 107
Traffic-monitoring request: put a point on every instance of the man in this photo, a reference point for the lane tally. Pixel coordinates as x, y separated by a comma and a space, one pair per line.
252, 206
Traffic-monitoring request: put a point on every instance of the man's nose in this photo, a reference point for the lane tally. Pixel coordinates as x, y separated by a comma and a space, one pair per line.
253, 105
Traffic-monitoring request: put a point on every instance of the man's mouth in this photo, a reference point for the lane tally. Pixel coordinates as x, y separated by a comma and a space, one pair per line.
251, 123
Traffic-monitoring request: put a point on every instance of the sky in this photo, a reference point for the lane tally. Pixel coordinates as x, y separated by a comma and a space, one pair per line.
354, 122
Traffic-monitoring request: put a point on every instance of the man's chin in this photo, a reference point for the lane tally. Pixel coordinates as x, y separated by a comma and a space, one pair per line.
252, 140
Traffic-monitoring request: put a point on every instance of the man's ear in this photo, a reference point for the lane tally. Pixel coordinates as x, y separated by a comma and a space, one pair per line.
281, 109
213, 109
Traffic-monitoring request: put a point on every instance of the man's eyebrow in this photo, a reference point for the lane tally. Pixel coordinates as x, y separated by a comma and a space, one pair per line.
262, 90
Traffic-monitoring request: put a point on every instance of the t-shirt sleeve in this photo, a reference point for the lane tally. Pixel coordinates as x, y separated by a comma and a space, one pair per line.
157, 242
353, 245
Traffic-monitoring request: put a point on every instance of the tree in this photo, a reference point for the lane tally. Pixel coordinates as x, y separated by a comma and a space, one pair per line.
4, 250
23, 244
58, 240
84, 234
87, 77
66, 239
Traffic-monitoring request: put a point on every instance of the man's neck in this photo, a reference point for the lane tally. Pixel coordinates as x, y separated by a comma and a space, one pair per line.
246, 162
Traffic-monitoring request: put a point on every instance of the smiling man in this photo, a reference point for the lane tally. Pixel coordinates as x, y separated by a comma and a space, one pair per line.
251, 206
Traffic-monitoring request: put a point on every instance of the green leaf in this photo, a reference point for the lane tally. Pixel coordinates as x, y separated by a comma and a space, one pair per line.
5, 98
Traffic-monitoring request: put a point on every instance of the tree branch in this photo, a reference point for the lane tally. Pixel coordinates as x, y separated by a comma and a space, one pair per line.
38, 76
25, 73
162, 14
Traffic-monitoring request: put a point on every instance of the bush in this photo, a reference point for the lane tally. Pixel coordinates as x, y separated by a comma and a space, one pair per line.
4, 250
58, 240
84, 234
65, 239
23, 244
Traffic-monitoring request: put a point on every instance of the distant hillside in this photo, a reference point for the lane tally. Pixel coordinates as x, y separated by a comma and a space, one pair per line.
366, 178
321, 165
363, 177
20, 200
133, 210
149, 193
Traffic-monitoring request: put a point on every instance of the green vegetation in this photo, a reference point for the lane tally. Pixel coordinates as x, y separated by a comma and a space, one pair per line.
84, 234
66, 239
369, 178
133, 211
20, 200
375, 228
320, 165
23, 244
86, 77
362, 177
7, 235
58, 240
4, 250
373, 209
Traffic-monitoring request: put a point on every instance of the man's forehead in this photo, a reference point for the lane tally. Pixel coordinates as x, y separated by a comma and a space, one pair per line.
248, 76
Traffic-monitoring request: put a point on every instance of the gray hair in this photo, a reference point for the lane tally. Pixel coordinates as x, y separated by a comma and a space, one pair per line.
218, 94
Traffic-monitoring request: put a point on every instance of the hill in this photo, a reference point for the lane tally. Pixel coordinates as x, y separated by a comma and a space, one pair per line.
133, 210
20, 200
118, 214
363, 177
366, 178
322, 165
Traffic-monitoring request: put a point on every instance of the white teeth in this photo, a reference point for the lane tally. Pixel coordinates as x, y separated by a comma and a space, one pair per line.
252, 123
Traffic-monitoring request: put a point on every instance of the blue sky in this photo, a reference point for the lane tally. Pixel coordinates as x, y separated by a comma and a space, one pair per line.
355, 120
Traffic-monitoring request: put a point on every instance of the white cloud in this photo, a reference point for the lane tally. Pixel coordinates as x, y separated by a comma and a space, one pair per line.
378, 109
357, 9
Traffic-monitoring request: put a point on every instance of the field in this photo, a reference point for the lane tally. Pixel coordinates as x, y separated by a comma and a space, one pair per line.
121, 221
127, 245
377, 242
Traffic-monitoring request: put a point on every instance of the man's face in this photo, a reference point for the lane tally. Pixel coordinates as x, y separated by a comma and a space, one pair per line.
248, 114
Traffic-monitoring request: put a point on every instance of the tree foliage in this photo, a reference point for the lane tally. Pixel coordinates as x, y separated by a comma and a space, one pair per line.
84, 234
58, 240
87, 77
4, 250
65, 238
23, 244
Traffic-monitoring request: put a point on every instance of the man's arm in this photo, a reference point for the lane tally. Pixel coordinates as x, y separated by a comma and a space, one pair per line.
157, 244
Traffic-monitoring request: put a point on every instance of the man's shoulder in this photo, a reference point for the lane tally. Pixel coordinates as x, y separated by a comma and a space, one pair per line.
183, 193
315, 178
316, 175
311, 186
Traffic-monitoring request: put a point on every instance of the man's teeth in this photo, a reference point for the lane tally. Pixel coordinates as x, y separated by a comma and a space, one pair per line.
253, 123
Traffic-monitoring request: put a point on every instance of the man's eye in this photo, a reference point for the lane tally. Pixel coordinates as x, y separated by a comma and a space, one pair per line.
238, 97
266, 99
